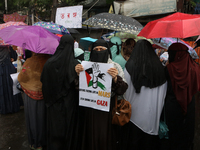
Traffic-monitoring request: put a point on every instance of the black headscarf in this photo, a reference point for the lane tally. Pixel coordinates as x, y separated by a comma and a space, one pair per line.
145, 67
80, 57
13, 53
59, 71
4, 52
100, 56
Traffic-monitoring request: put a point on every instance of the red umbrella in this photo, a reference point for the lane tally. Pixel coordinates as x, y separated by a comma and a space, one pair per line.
177, 25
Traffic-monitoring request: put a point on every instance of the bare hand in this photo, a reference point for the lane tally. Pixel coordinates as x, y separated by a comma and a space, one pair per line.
79, 68
113, 72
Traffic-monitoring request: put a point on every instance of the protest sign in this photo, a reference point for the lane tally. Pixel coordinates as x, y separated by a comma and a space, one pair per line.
14, 77
69, 17
95, 86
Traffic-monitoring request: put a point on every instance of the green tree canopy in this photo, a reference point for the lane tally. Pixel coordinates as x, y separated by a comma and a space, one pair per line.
42, 8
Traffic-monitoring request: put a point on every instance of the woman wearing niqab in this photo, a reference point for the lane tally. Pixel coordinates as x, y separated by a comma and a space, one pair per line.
61, 98
183, 82
146, 92
98, 133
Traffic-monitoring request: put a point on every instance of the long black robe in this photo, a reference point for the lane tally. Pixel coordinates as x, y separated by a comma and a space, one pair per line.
181, 127
9, 103
98, 131
60, 96
62, 122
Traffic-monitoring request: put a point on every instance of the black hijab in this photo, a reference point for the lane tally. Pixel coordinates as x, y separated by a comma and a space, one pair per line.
13, 53
59, 71
145, 67
4, 52
100, 56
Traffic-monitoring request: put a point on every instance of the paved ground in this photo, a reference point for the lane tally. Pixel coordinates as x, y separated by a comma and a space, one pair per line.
13, 134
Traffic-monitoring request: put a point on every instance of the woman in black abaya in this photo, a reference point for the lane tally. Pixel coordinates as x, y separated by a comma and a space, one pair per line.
146, 92
98, 131
9, 103
60, 96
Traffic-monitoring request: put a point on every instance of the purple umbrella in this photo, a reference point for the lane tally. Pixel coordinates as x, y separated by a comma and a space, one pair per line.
33, 38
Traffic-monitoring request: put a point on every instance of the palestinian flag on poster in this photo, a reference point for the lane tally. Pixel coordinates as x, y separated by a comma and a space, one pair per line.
88, 74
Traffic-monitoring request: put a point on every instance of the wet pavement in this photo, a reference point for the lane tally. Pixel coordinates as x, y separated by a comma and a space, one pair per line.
13, 135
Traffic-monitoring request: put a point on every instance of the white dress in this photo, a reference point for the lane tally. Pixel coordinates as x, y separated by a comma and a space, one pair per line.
146, 105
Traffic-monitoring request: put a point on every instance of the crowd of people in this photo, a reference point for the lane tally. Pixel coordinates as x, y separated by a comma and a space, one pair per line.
156, 92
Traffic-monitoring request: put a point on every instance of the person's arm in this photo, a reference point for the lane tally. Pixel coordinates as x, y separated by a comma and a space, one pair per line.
120, 86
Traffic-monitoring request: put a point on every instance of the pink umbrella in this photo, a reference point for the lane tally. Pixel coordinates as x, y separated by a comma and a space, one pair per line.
7, 24
11, 23
2, 42
33, 38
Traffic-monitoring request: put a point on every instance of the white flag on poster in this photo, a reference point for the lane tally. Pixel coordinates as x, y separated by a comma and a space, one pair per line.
95, 86
69, 17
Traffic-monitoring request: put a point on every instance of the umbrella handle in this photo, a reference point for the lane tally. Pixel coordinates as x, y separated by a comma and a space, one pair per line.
195, 47
23, 47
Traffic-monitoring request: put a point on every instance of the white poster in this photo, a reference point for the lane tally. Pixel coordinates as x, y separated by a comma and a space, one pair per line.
14, 77
95, 86
70, 17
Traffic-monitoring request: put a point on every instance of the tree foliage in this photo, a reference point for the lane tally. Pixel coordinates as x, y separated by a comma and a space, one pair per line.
41, 8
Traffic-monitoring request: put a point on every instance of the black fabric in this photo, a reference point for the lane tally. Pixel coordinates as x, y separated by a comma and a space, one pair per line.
4, 51
13, 53
172, 55
9, 103
197, 43
61, 97
181, 127
35, 116
111, 44
145, 67
99, 56
98, 132
174, 48
99, 42
28, 54
59, 71
62, 122
80, 57
133, 138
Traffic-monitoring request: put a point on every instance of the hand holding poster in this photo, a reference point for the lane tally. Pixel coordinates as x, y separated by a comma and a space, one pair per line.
95, 85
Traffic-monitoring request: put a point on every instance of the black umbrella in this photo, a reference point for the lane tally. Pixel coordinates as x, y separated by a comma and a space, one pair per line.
73, 31
115, 22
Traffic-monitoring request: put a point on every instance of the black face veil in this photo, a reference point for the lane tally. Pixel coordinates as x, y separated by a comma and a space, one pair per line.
145, 67
59, 71
100, 56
